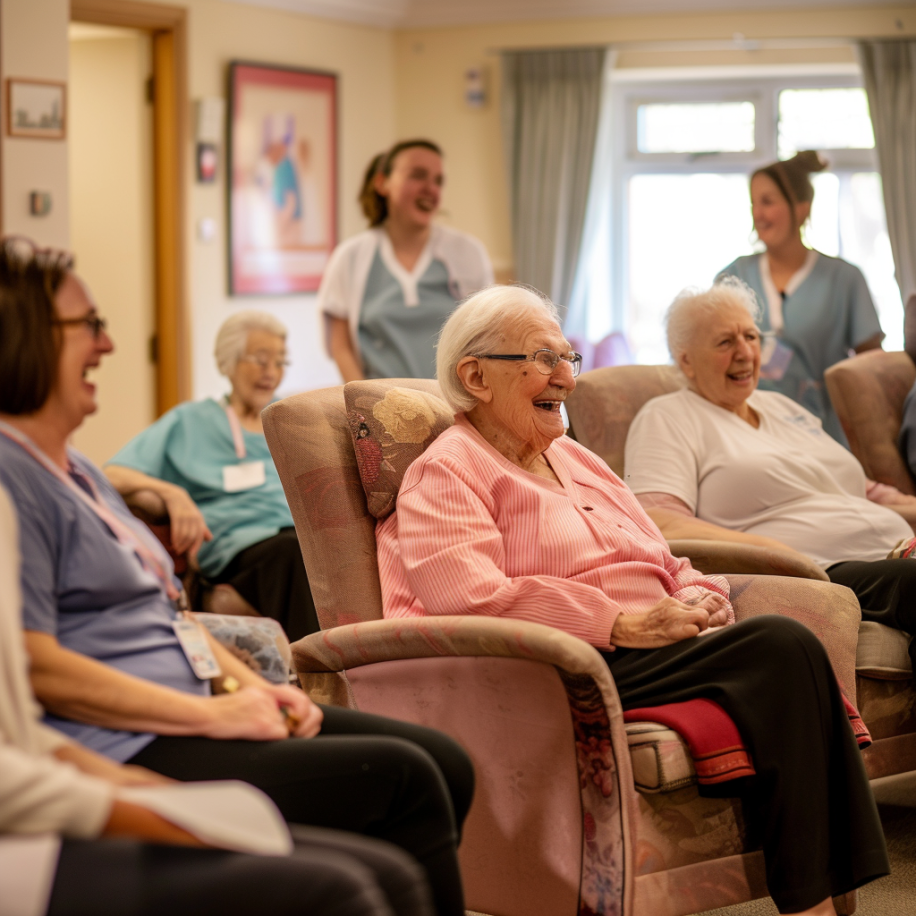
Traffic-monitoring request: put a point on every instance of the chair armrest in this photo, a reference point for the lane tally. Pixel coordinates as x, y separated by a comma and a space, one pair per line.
830, 611
731, 557
607, 804
354, 645
148, 506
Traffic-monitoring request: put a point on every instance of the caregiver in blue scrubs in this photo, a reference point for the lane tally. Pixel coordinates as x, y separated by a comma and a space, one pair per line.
817, 310
387, 291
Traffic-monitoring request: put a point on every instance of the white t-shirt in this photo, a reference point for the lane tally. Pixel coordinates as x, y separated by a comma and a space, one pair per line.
787, 480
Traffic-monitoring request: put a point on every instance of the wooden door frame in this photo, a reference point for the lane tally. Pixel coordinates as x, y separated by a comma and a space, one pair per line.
168, 26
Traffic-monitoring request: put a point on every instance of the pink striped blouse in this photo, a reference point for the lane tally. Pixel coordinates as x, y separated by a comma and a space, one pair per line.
475, 534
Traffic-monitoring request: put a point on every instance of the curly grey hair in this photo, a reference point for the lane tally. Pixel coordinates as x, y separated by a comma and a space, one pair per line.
480, 324
692, 306
232, 337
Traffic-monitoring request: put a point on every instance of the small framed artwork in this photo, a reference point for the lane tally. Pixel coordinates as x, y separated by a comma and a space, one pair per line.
282, 178
36, 109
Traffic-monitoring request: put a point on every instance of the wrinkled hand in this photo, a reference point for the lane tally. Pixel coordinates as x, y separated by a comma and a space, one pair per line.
665, 623
303, 717
715, 605
188, 530
251, 713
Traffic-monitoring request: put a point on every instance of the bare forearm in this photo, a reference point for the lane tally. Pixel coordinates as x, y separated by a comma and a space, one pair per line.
674, 526
130, 820
342, 351
128, 481
74, 686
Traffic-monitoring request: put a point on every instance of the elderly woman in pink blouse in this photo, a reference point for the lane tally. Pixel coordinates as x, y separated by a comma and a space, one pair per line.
503, 515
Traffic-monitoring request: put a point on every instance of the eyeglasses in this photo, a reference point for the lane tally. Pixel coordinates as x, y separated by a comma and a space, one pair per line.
95, 324
265, 362
546, 361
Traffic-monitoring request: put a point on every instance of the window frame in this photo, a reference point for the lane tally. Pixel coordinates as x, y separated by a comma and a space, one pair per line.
628, 91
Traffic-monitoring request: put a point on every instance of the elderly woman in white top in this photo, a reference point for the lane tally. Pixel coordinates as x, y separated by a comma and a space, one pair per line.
721, 460
69, 844
503, 515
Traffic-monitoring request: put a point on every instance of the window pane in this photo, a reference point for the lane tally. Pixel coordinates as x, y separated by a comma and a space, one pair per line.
823, 119
706, 225
847, 221
696, 127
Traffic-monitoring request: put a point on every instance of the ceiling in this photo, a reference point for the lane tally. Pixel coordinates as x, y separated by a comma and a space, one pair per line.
422, 13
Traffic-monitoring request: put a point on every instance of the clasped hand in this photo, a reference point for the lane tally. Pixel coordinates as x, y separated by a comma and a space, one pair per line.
669, 621
266, 712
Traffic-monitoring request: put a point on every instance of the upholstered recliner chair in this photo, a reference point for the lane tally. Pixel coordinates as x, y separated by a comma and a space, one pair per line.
867, 392
575, 813
873, 386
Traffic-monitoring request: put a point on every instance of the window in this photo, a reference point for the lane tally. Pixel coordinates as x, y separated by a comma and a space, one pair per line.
682, 155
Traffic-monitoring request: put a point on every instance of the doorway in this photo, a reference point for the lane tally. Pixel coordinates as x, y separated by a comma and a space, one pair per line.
158, 33
110, 152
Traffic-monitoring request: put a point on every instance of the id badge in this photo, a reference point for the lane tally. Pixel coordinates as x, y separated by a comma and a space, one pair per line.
244, 476
775, 357
196, 648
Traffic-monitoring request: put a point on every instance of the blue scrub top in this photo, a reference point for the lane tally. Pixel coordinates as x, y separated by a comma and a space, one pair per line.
829, 314
397, 340
189, 446
80, 585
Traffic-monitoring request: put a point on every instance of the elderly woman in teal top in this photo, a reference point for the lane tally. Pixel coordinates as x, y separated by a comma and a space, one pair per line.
209, 462
388, 291
816, 309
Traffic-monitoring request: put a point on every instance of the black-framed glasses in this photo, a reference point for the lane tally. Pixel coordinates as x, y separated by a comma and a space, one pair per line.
265, 361
95, 324
546, 361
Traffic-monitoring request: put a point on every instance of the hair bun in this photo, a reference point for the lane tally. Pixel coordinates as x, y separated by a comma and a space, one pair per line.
809, 160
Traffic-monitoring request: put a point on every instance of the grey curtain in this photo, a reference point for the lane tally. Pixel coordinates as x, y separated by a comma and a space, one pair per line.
889, 69
550, 106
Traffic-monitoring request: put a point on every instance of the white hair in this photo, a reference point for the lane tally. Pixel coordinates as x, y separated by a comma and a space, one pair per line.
482, 324
232, 337
693, 306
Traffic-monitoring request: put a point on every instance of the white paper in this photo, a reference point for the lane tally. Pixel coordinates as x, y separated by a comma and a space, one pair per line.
225, 813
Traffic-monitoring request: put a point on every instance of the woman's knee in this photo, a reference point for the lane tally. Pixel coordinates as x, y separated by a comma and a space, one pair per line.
784, 640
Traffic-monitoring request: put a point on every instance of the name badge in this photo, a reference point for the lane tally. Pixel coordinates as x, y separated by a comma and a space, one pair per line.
196, 648
244, 476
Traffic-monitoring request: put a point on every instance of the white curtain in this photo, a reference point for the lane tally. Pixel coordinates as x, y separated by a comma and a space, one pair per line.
889, 69
550, 105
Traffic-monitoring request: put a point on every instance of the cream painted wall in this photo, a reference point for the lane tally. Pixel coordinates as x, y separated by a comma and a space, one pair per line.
111, 225
431, 63
363, 58
33, 44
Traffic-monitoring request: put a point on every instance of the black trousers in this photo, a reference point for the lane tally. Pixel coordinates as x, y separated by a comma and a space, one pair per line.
329, 874
886, 590
810, 800
270, 575
409, 785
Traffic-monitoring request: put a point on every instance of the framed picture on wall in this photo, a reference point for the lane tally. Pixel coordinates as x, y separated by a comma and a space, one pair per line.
36, 109
282, 178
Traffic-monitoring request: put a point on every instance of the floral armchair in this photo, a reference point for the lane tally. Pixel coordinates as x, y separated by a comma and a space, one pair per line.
575, 812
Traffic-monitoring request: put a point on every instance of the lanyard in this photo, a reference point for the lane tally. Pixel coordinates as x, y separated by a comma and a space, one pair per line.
235, 427
144, 546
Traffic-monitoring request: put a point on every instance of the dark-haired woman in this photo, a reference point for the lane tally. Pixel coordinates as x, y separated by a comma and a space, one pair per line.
119, 670
816, 309
388, 291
